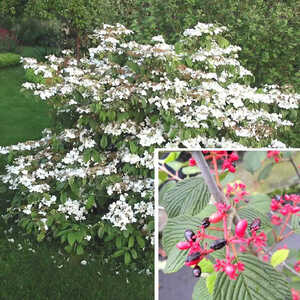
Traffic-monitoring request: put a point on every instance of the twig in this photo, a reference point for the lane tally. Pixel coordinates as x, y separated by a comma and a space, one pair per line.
164, 169
209, 180
295, 167
290, 269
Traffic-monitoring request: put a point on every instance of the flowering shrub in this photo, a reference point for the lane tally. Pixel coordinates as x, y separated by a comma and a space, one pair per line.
90, 177
229, 241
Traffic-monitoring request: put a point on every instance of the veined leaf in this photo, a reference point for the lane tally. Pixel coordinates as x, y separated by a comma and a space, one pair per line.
200, 291
265, 172
261, 202
175, 261
163, 189
188, 197
210, 282
258, 281
253, 159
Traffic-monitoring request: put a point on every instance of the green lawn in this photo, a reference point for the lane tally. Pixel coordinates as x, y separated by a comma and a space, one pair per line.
26, 275
21, 118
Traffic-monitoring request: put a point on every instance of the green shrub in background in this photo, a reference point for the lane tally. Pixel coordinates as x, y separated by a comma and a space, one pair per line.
267, 31
9, 59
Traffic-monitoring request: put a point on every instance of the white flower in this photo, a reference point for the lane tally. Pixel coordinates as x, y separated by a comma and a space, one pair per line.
84, 262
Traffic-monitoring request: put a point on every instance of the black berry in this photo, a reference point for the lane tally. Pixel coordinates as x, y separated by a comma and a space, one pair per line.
171, 170
189, 235
184, 156
255, 225
218, 244
197, 271
205, 222
180, 174
193, 256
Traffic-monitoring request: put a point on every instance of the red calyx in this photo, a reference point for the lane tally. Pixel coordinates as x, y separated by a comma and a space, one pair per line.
241, 228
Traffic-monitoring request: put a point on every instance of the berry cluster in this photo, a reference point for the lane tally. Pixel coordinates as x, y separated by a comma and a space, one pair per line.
274, 154
237, 191
286, 205
198, 249
228, 158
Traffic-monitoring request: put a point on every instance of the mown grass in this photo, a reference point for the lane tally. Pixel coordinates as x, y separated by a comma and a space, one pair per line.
21, 118
27, 275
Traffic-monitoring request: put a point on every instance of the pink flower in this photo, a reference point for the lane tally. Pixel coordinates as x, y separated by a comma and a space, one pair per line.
229, 268
297, 266
258, 241
275, 220
275, 155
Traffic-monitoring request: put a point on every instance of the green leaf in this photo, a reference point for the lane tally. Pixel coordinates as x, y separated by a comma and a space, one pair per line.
162, 176
201, 292
206, 266
79, 250
175, 261
210, 282
118, 253
127, 258
133, 148
189, 197
133, 253
260, 202
253, 160
279, 257
171, 157
118, 242
258, 281
72, 236
103, 141
133, 66
189, 62
163, 189
90, 202
101, 232
265, 172
3, 188
295, 223
41, 236
227, 178
131, 241
68, 248
140, 241
190, 170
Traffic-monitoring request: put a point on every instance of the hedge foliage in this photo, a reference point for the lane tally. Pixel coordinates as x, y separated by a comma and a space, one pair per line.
267, 31
9, 59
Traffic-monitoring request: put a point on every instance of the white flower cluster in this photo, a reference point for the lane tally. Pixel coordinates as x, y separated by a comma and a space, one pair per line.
120, 213
74, 209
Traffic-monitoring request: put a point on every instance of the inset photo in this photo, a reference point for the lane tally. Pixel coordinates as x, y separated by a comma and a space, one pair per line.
229, 224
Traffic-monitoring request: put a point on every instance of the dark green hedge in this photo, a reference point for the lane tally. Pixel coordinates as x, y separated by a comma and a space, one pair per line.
267, 31
9, 59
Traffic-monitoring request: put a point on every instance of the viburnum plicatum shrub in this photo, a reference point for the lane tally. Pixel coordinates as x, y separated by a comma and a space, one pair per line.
192, 93
228, 236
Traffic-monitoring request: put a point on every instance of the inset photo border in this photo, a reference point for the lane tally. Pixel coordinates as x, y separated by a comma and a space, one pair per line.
227, 224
